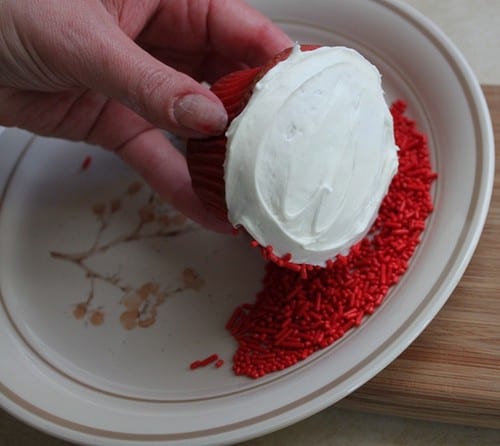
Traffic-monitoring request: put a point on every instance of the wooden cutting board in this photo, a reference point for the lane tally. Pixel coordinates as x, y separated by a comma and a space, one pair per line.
452, 371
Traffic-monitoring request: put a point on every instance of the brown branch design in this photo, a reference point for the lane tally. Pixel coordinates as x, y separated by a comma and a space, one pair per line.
155, 220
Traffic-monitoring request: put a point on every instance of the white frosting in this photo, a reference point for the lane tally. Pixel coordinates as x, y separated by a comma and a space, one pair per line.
312, 155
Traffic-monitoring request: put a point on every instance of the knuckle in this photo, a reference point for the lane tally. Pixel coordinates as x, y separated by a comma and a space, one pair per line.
152, 84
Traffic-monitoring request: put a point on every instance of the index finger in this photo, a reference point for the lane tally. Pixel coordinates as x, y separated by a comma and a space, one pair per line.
165, 170
241, 33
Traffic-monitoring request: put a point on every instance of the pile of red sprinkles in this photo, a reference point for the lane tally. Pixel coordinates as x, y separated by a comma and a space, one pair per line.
302, 309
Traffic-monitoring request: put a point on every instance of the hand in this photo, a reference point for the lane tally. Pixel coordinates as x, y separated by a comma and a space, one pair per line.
112, 72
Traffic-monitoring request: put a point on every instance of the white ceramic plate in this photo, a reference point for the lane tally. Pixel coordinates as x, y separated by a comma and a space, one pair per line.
99, 378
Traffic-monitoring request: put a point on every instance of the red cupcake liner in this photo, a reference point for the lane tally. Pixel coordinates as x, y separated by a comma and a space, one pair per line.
205, 157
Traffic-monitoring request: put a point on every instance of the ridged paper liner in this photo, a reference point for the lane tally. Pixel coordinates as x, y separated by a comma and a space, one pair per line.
205, 157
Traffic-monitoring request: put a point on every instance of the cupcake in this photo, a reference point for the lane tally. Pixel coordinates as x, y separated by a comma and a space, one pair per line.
308, 155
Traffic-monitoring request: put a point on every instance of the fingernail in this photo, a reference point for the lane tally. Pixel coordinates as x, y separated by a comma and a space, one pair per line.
198, 113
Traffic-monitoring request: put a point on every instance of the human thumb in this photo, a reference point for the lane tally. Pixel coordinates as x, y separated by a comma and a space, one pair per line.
167, 98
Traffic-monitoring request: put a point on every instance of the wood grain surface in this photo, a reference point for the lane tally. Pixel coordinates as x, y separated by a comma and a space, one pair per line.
452, 371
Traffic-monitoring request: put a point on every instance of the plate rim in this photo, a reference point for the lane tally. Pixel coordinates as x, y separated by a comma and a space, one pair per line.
318, 399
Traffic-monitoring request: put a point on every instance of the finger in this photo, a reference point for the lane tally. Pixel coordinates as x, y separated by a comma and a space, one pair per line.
165, 170
118, 68
147, 150
67, 114
230, 28
216, 66
241, 33
209, 68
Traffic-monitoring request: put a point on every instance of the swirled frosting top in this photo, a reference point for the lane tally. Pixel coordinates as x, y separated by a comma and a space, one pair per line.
312, 155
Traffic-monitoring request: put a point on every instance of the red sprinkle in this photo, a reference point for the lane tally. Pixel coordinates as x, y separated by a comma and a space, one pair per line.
219, 363
204, 362
194, 365
86, 163
301, 309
